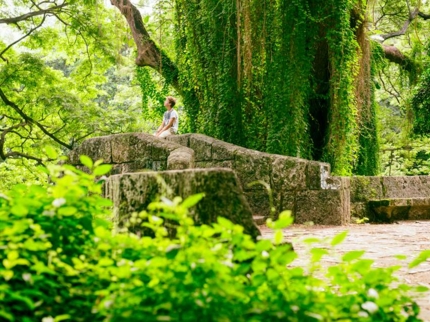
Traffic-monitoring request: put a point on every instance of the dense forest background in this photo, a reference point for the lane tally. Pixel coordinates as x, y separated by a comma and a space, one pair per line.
343, 81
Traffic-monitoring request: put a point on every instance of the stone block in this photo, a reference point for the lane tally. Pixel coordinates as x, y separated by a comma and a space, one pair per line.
323, 207
365, 188
161, 149
96, 148
283, 200
404, 187
389, 210
223, 151
137, 166
359, 210
214, 164
259, 202
74, 157
181, 158
140, 146
288, 173
120, 148
251, 166
316, 175
132, 192
183, 139
288, 201
202, 146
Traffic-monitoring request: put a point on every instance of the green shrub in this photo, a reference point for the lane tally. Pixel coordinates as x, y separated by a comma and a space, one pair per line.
62, 261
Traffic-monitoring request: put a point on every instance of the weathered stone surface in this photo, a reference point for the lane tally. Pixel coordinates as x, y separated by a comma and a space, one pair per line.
284, 200
181, 158
380, 189
131, 147
359, 210
224, 196
74, 157
288, 173
388, 210
161, 149
324, 207
404, 187
259, 202
365, 188
316, 175
202, 146
183, 139
96, 148
290, 179
223, 151
251, 166
215, 164
288, 201
137, 166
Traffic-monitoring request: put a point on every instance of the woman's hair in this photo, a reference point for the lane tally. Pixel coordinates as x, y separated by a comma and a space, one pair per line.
172, 101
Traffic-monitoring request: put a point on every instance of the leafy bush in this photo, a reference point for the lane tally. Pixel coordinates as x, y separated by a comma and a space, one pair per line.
61, 261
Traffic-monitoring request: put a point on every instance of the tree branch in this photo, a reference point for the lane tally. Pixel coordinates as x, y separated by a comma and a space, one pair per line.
31, 14
148, 53
424, 16
3, 137
402, 31
32, 121
14, 154
412, 16
25, 36
394, 55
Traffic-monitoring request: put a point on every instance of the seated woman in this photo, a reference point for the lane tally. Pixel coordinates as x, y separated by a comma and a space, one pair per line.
170, 122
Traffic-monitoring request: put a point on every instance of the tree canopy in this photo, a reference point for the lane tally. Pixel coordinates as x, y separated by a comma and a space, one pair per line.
342, 82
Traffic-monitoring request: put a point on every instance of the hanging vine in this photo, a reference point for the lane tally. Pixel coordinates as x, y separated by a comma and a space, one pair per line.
289, 77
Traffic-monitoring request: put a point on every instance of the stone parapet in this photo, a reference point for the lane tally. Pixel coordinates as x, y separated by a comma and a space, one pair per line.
304, 187
366, 189
132, 192
135, 152
296, 184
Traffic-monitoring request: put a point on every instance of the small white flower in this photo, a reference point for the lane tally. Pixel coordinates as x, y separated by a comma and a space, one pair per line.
108, 304
372, 293
167, 201
48, 213
26, 277
228, 263
264, 254
363, 314
48, 319
370, 307
58, 202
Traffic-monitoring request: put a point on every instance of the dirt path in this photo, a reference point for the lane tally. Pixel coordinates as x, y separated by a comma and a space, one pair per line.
381, 243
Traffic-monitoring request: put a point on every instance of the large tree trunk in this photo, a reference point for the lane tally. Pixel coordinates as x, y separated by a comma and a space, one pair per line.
148, 53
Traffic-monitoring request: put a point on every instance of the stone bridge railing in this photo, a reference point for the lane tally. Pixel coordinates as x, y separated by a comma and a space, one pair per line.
303, 186
409, 194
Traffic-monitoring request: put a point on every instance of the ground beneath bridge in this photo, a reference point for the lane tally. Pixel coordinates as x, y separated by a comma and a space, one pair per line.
381, 243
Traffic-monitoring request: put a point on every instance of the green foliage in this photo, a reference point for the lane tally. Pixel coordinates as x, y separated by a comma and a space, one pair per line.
421, 106
76, 81
45, 234
61, 261
284, 84
368, 162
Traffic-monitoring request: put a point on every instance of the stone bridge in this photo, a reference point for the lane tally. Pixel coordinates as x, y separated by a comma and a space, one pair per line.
253, 179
